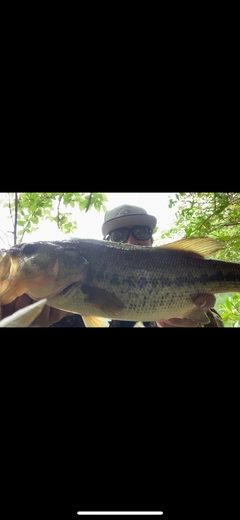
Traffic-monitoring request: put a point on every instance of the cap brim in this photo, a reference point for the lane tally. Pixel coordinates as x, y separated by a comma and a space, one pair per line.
128, 220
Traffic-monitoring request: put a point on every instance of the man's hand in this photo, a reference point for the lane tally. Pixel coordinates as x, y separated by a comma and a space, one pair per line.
204, 302
48, 316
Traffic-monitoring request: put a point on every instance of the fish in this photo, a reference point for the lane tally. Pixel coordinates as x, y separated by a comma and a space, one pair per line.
104, 281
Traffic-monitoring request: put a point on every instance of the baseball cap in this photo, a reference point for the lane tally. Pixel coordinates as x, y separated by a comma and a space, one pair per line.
126, 215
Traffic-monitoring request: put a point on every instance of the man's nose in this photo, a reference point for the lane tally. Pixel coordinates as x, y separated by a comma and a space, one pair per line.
131, 240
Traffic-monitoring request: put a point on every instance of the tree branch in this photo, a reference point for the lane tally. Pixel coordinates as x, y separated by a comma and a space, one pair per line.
89, 203
226, 224
58, 214
15, 220
10, 210
213, 215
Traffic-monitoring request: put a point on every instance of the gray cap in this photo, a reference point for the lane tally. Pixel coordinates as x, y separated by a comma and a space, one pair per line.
126, 215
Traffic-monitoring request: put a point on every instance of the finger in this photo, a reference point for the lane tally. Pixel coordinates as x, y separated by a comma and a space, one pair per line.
22, 301
42, 319
49, 316
177, 322
56, 315
205, 301
24, 316
19, 303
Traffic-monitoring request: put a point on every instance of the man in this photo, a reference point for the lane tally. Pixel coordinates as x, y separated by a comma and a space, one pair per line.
131, 225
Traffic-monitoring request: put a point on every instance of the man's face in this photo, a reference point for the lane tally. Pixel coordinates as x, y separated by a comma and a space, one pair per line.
135, 241
132, 236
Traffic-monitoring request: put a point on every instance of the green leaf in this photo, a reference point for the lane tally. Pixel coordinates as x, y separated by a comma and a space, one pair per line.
228, 304
224, 315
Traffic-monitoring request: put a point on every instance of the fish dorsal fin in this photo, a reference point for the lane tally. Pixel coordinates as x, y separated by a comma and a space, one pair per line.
198, 246
95, 321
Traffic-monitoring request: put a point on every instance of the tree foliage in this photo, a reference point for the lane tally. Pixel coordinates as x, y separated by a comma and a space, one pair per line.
28, 209
215, 215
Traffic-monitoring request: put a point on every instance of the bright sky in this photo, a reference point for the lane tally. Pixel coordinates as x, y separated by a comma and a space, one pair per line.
90, 223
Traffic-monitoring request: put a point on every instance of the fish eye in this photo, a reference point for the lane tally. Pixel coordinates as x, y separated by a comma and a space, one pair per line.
15, 250
29, 249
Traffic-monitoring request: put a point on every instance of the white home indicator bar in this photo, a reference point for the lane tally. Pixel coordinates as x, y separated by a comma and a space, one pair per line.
120, 513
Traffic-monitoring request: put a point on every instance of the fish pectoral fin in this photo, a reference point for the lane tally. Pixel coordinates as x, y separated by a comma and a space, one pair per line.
103, 300
198, 246
139, 324
198, 315
95, 321
24, 317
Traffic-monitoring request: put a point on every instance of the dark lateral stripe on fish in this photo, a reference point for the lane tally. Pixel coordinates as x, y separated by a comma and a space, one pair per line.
180, 280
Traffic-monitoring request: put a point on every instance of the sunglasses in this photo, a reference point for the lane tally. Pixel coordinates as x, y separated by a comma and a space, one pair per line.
122, 234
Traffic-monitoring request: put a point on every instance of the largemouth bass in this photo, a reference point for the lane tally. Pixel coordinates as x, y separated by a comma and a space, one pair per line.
105, 280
